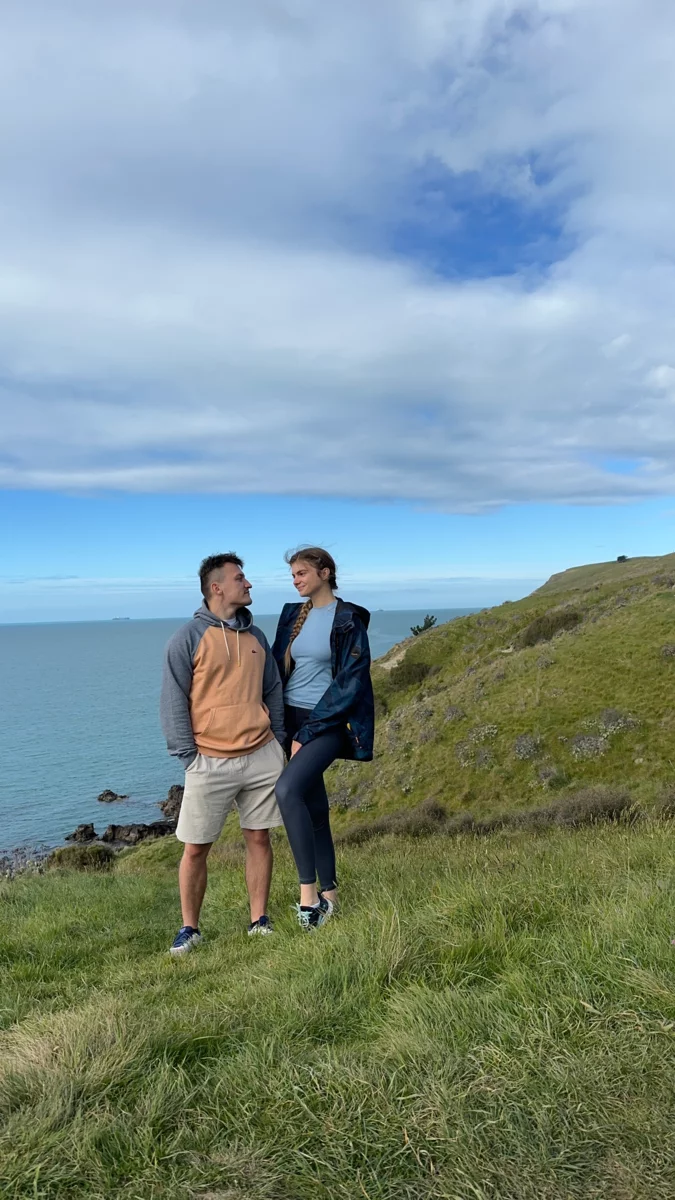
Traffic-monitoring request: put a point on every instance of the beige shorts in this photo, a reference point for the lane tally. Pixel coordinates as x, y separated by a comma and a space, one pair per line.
214, 786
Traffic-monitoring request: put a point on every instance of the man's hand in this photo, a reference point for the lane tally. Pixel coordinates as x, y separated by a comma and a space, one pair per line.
295, 746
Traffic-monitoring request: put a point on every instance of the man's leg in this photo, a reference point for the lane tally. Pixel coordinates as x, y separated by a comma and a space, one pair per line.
258, 813
192, 881
210, 787
258, 870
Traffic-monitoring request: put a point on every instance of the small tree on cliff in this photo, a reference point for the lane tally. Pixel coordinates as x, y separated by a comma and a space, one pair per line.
428, 623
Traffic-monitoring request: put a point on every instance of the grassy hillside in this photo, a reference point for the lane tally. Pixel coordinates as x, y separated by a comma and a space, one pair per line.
490, 1018
501, 708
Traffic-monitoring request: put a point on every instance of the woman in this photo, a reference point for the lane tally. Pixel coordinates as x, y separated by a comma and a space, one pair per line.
322, 652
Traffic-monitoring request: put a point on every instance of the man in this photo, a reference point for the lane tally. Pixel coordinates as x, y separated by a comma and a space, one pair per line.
222, 713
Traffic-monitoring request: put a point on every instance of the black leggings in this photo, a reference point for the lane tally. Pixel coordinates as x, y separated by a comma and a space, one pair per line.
303, 802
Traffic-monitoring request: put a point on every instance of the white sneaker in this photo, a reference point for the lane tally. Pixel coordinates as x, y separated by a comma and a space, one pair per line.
185, 940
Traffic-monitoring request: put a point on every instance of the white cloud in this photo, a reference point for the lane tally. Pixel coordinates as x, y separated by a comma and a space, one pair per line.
198, 290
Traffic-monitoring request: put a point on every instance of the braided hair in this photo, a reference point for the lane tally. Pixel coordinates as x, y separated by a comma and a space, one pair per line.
320, 560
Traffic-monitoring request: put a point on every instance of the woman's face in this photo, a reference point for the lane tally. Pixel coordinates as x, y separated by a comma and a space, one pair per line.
307, 579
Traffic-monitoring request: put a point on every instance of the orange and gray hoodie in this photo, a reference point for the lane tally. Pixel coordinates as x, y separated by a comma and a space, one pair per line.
221, 691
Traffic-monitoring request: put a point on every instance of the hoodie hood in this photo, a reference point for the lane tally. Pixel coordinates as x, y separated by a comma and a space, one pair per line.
242, 618
357, 610
345, 609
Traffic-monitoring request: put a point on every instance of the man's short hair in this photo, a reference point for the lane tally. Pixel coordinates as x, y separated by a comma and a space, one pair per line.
214, 562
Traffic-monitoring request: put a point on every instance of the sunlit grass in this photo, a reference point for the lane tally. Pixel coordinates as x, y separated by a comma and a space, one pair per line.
488, 1018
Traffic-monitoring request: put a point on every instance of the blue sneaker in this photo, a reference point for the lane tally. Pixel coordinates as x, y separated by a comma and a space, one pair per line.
185, 940
262, 925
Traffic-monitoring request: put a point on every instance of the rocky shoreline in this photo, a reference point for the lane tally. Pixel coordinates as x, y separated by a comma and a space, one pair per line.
115, 837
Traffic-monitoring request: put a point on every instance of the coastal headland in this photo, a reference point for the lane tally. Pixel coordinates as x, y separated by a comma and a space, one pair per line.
491, 1016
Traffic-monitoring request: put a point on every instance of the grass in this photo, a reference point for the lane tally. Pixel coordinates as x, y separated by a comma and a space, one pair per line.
458, 703
490, 1018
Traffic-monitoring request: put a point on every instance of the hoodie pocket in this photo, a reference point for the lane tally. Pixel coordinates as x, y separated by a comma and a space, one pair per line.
235, 728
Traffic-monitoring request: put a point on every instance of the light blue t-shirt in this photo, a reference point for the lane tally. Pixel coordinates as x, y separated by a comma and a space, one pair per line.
310, 652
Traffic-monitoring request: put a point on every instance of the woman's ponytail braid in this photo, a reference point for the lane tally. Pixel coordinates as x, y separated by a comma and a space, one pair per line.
321, 560
299, 622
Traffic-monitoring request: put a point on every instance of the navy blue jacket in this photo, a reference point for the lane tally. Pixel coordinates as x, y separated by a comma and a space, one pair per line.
348, 701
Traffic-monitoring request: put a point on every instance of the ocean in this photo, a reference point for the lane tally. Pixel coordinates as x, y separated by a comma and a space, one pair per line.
79, 713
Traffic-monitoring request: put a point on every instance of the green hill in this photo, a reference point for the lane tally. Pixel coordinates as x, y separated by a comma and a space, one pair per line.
572, 686
489, 1018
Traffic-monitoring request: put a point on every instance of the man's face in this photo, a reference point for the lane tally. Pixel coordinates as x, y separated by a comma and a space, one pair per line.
232, 586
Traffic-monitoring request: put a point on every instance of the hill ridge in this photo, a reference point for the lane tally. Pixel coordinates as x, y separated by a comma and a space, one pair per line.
569, 687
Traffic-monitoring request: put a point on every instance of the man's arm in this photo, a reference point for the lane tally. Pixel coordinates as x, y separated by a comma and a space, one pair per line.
273, 693
174, 705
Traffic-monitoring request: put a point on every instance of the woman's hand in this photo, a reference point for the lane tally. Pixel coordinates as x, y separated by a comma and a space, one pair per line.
295, 746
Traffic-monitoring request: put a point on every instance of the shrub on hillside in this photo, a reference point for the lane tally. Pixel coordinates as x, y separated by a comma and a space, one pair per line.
82, 858
408, 673
665, 805
552, 777
426, 818
589, 806
545, 627
587, 746
428, 623
527, 745
585, 807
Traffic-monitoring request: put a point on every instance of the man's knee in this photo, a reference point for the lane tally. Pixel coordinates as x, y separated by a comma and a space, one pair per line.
256, 839
194, 852
282, 791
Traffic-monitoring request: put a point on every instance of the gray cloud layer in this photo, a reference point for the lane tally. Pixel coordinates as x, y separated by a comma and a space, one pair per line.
197, 292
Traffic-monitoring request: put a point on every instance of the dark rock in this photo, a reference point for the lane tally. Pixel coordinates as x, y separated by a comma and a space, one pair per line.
668, 651
171, 806
454, 713
527, 745
108, 797
130, 835
83, 833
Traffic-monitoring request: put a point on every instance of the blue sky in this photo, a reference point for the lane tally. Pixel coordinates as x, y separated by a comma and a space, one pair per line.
394, 277
119, 555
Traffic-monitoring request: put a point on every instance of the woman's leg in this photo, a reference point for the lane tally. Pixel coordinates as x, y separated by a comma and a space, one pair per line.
324, 850
303, 802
